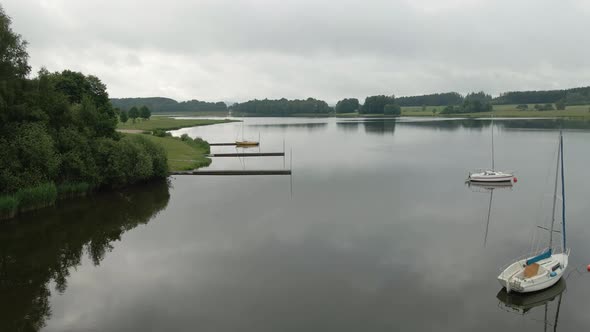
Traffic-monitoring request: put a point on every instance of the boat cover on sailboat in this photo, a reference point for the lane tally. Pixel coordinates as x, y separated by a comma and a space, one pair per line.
539, 257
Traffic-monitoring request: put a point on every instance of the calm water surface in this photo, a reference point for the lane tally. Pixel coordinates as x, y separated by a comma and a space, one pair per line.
375, 231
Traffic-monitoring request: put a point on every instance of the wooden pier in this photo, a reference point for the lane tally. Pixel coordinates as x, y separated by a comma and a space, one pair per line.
248, 154
222, 144
234, 172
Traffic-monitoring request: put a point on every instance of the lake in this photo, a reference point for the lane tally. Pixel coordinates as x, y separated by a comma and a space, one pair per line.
375, 231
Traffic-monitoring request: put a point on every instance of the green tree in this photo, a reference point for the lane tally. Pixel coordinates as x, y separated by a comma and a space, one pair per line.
376, 104
560, 104
522, 107
145, 113
14, 59
392, 109
59, 128
347, 105
123, 116
133, 113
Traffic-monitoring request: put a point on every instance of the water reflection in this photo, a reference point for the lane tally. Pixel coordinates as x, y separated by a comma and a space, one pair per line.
310, 126
522, 304
545, 124
488, 188
371, 126
448, 124
61, 237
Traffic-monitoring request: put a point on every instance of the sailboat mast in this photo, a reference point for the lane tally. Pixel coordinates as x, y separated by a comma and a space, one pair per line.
562, 192
554, 195
492, 141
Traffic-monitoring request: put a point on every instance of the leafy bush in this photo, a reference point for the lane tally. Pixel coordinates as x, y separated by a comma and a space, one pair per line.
197, 142
132, 159
161, 133
392, 109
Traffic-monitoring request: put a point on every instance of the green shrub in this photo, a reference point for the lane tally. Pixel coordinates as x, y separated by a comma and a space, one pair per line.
197, 142
161, 133
36, 197
392, 109
8, 206
132, 159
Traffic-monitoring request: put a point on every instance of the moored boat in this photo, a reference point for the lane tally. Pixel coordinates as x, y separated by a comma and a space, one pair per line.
543, 269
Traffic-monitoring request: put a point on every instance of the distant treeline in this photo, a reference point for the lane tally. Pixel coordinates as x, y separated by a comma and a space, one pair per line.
574, 96
436, 99
472, 103
281, 107
160, 104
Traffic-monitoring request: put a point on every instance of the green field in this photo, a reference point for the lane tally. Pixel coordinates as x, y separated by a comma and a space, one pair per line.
167, 123
577, 111
181, 155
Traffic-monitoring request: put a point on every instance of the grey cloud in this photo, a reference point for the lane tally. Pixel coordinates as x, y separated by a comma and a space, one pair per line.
330, 49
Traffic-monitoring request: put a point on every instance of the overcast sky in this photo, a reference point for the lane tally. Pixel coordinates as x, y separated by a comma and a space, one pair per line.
239, 50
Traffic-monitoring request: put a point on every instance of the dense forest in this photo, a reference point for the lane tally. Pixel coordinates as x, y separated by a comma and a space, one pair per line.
380, 105
472, 103
164, 105
574, 96
436, 99
281, 107
57, 134
347, 105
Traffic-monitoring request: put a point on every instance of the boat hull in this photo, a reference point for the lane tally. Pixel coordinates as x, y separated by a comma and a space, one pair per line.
246, 143
511, 278
488, 177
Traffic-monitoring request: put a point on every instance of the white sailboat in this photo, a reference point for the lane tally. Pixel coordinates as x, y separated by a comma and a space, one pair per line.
544, 269
491, 175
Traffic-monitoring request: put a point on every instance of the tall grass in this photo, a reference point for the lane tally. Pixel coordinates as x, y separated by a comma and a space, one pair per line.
73, 189
8, 206
36, 197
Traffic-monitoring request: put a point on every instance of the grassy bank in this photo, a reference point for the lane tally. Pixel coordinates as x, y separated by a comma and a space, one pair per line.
167, 123
184, 154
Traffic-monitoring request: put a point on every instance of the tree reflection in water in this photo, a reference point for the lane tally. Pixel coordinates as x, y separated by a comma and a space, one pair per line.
41, 247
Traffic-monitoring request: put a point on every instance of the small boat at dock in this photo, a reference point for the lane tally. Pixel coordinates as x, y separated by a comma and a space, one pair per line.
247, 143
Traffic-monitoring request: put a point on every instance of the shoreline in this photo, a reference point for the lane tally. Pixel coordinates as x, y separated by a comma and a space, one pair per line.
181, 153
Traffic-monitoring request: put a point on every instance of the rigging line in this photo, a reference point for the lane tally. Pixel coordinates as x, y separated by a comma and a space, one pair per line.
536, 237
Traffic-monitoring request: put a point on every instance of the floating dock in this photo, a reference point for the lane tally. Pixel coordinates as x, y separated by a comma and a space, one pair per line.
222, 144
234, 172
248, 154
